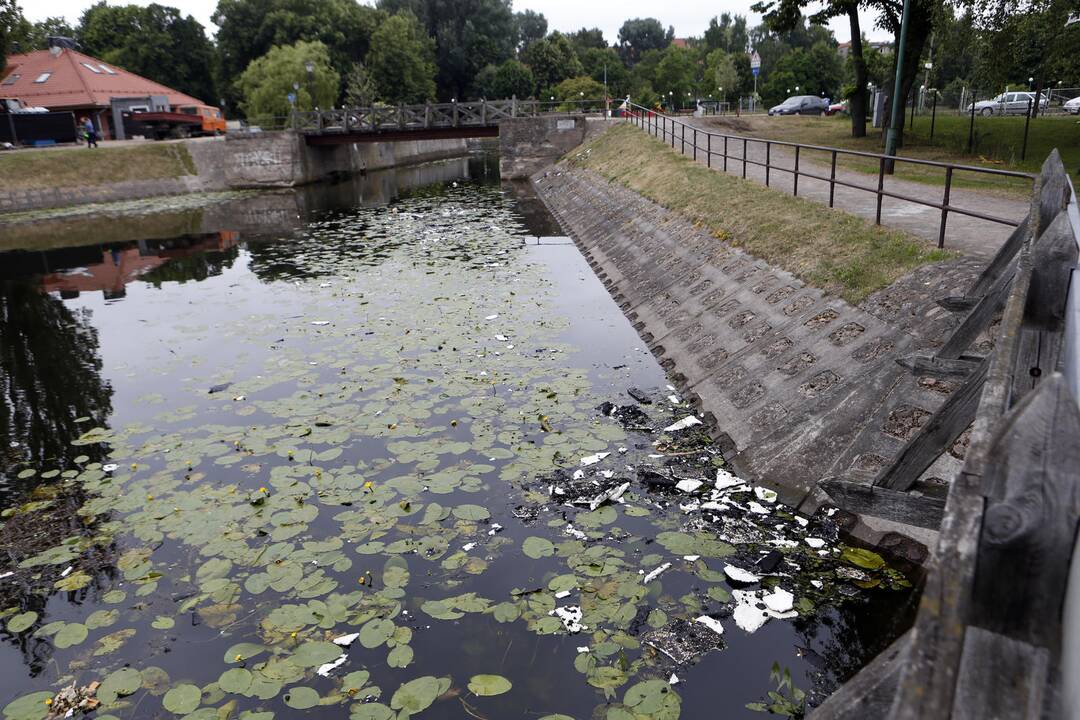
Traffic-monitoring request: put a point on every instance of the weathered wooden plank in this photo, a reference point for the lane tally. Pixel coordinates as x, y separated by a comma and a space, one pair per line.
1053, 256
863, 499
953, 417
928, 677
979, 318
1033, 483
1000, 678
932, 366
1001, 262
870, 693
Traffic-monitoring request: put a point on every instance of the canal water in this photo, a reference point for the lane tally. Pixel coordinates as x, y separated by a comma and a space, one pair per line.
240, 429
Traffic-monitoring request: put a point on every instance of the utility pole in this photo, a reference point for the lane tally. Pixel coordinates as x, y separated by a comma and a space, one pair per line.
892, 137
607, 103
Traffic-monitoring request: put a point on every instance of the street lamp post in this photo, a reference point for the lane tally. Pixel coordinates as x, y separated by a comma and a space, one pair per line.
310, 67
892, 137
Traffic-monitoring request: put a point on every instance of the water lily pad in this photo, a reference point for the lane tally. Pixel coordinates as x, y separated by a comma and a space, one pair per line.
400, 656
236, 680
69, 635
22, 621
375, 632
417, 695
182, 699
537, 547
653, 698
488, 685
124, 681
28, 707
471, 512
301, 698
163, 622
243, 651
371, 711
316, 652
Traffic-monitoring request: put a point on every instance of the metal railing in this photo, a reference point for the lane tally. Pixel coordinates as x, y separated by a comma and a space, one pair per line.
480, 113
683, 136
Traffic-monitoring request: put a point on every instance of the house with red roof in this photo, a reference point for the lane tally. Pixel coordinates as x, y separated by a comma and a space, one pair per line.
63, 79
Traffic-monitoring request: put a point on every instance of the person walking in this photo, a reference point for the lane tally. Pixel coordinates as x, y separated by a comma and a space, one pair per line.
91, 133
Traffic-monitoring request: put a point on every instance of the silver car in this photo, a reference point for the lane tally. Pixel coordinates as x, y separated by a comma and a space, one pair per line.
1009, 103
1072, 106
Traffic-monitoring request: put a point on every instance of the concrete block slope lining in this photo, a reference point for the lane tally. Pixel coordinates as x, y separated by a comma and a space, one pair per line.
799, 385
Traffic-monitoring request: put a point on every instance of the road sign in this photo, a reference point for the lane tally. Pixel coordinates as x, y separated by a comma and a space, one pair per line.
292, 98
755, 70
755, 62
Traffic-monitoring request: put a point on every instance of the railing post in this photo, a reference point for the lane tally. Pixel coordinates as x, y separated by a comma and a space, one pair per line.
945, 207
725, 153
347, 115
796, 182
832, 180
401, 116
672, 133
744, 158
695, 144
708, 150
483, 112
768, 161
455, 111
513, 105
880, 188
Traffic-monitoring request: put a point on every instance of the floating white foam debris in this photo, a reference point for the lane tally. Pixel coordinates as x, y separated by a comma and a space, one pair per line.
783, 543
779, 600
831, 511
713, 505
711, 623
468, 546
607, 474
579, 474
329, 667
688, 421
320, 323
688, 485
583, 648
612, 494
501, 338
109, 467
671, 388
724, 479
815, 543
655, 573
674, 399
69, 569
691, 558
495, 527
492, 317
9, 573
748, 616
346, 640
765, 494
325, 285
593, 459
757, 508
817, 583
238, 398
562, 594
622, 450
740, 575
656, 456
571, 618
575, 533
803, 522
673, 680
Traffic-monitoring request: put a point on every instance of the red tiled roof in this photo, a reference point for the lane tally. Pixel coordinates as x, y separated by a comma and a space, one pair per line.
72, 84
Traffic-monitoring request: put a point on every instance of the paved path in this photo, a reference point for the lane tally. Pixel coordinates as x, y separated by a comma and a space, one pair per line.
971, 236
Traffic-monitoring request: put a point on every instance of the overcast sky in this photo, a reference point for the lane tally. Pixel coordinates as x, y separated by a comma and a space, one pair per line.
689, 17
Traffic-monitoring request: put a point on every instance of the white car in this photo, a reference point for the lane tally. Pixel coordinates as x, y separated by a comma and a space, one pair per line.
1010, 103
1073, 106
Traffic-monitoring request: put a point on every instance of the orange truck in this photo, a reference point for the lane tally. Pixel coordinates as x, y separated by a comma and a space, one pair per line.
213, 122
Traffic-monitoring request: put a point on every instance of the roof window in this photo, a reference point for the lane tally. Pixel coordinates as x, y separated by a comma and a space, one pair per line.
107, 69
11, 79
91, 68
43, 76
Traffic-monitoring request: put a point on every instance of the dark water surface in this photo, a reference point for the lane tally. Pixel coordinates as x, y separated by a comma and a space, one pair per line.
234, 432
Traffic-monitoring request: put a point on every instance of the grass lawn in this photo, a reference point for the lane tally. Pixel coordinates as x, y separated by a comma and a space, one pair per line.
998, 142
829, 249
33, 169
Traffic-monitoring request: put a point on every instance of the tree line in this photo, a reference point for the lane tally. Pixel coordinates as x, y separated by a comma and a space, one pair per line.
412, 51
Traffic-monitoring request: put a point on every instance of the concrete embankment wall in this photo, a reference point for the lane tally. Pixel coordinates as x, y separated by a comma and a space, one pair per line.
266, 160
798, 385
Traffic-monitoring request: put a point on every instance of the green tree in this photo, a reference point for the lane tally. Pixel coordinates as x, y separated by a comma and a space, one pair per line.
469, 35
676, 74
578, 88
596, 60
531, 26
728, 33
402, 60
360, 88
723, 73
155, 41
510, 79
14, 30
640, 35
552, 60
587, 39
248, 29
268, 80
42, 30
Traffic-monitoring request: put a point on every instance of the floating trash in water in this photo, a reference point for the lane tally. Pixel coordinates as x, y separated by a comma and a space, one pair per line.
686, 422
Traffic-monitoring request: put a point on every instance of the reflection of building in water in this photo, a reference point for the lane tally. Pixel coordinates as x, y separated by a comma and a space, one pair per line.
110, 269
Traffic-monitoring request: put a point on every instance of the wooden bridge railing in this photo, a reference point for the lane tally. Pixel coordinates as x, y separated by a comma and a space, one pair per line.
997, 634
481, 113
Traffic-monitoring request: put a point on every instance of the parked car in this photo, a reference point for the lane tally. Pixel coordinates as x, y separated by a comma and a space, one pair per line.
801, 105
838, 107
1072, 106
1010, 103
